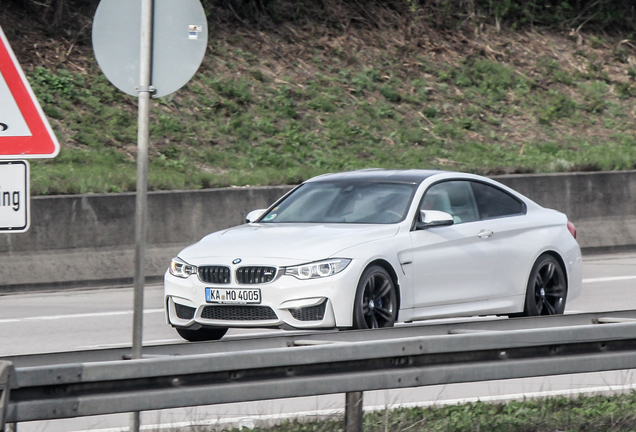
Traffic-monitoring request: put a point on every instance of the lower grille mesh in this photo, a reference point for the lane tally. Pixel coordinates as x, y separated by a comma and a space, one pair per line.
310, 313
184, 312
239, 313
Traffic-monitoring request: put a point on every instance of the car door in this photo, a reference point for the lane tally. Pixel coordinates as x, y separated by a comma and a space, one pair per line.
453, 264
512, 238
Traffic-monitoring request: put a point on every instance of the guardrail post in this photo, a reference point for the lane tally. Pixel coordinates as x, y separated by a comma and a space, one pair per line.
353, 412
6, 369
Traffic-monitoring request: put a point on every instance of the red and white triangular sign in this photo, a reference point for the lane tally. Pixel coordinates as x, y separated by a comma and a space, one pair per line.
24, 130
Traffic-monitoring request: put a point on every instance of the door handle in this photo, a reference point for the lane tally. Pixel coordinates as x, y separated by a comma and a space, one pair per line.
484, 234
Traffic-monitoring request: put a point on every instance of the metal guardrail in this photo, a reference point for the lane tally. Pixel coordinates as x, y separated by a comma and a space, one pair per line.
289, 338
314, 365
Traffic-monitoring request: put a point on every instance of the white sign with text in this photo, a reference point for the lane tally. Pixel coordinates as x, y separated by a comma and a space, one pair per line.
14, 196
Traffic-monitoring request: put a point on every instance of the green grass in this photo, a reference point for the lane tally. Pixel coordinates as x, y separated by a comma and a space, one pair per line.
241, 121
589, 414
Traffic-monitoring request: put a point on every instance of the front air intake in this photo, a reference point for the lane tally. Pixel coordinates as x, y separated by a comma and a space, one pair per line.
184, 312
310, 313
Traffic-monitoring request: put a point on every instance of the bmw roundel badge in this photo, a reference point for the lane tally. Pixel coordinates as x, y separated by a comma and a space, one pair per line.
237, 261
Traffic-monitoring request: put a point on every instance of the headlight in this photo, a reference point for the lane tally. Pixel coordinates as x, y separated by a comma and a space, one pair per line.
318, 269
181, 269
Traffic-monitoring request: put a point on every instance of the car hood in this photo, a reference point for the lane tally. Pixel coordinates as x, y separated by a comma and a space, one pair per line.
290, 242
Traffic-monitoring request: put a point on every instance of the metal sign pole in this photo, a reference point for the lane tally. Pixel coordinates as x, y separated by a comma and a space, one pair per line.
353, 411
141, 213
180, 29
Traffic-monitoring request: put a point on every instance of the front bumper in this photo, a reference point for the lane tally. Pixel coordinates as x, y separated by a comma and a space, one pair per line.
286, 302
320, 315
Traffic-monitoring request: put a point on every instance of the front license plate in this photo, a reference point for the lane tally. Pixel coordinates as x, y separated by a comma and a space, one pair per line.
233, 295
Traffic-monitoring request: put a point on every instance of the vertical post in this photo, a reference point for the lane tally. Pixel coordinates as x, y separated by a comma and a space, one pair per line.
353, 412
6, 370
141, 208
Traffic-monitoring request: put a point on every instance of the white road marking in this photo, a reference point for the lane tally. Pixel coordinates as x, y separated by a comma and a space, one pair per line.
250, 421
127, 344
609, 279
74, 316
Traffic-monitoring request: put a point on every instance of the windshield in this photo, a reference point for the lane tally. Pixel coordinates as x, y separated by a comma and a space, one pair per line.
344, 202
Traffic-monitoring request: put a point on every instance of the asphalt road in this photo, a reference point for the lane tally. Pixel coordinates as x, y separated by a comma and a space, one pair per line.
81, 319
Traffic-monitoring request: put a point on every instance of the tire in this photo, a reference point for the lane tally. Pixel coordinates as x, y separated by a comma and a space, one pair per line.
375, 304
547, 288
203, 334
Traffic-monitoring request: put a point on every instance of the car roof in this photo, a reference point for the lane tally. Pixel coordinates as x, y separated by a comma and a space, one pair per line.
415, 176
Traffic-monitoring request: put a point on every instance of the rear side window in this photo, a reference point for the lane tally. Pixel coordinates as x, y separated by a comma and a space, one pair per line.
493, 202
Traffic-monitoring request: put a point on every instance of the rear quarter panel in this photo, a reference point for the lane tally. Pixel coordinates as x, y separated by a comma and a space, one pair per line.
523, 239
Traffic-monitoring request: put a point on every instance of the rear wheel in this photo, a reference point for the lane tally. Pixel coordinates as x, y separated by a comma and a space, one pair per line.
547, 288
376, 300
203, 334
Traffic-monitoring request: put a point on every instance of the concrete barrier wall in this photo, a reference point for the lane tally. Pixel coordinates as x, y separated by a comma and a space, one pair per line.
601, 205
82, 240
108, 220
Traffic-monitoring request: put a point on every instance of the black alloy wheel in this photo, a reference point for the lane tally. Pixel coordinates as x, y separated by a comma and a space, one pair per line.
202, 334
376, 300
547, 288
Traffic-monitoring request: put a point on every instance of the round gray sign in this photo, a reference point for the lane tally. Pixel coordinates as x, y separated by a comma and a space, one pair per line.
180, 38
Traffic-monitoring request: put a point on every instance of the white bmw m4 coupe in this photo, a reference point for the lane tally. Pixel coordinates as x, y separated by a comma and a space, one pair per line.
370, 248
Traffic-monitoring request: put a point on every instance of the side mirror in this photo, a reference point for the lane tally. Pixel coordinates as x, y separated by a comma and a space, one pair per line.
433, 218
254, 215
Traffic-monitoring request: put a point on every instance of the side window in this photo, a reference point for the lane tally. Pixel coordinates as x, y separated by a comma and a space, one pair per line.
453, 197
494, 202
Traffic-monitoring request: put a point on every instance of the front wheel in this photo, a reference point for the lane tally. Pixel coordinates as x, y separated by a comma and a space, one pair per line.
202, 334
376, 300
547, 288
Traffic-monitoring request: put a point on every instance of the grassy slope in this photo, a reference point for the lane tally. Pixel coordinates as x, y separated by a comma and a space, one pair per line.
590, 414
279, 106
